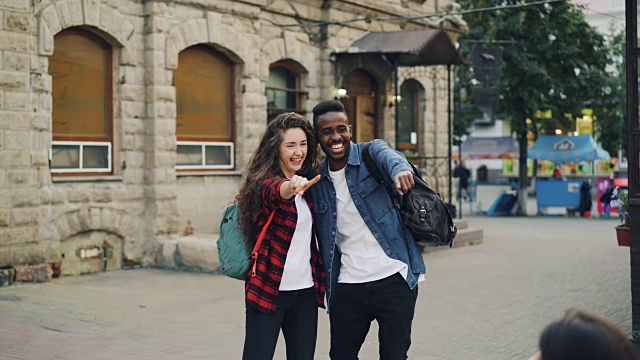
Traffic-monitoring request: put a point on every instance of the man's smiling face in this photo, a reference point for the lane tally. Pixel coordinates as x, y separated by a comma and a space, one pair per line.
334, 136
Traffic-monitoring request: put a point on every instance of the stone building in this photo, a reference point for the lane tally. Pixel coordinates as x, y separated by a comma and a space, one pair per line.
123, 120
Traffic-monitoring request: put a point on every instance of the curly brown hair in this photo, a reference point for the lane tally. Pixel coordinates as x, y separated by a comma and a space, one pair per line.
265, 164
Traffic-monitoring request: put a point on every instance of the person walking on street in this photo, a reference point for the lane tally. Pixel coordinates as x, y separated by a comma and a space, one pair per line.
605, 199
373, 263
462, 174
289, 282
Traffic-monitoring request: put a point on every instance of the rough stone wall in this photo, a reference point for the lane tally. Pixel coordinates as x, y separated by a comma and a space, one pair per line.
146, 201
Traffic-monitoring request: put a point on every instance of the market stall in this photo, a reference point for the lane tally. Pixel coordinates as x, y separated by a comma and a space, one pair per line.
563, 149
494, 147
483, 151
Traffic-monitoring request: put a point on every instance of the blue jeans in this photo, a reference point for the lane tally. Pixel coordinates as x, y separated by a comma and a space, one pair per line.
465, 193
606, 210
296, 314
388, 301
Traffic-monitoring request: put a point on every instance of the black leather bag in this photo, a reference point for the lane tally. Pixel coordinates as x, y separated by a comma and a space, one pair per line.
423, 212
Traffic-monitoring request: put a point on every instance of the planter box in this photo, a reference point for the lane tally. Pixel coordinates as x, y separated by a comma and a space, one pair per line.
624, 236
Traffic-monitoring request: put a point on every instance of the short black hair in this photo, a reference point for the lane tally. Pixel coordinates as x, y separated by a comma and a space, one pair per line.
326, 107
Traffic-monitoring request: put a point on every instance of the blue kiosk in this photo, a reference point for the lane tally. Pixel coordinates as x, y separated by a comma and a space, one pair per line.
563, 149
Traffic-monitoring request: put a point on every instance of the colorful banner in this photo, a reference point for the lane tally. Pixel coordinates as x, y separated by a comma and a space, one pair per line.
545, 168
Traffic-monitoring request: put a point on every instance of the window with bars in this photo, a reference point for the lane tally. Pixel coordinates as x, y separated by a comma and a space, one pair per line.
204, 155
284, 93
204, 94
409, 115
81, 115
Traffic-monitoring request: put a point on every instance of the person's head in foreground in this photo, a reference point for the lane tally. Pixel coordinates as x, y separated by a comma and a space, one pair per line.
581, 335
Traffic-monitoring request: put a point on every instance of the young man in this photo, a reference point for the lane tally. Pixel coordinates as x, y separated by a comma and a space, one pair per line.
373, 264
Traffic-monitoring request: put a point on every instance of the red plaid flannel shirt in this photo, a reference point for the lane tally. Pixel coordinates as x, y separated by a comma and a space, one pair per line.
262, 290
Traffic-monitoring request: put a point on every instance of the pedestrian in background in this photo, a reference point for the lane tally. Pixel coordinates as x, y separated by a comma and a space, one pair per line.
585, 199
289, 281
373, 263
605, 199
462, 174
581, 335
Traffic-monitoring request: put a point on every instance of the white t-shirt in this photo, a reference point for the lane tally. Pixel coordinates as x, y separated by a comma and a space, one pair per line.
297, 267
363, 259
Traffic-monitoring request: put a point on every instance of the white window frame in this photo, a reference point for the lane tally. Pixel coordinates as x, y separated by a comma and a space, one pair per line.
81, 145
203, 145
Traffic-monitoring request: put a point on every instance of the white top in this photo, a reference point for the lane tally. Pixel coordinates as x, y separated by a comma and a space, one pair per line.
363, 259
297, 267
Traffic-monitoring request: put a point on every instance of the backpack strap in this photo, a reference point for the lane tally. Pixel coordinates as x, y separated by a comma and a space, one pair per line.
371, 165
376, 172
256, 247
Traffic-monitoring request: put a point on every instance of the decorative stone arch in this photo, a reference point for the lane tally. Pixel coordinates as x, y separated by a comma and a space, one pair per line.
85, 219
374, 65
382, 73
209, 31
288, 48
91, 13
422, 88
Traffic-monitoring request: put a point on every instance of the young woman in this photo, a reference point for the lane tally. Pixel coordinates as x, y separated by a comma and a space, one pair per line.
289, 282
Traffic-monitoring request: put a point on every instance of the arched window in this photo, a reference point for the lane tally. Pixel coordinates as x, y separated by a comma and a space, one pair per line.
284, 91
80, 69
410, 113
204, 95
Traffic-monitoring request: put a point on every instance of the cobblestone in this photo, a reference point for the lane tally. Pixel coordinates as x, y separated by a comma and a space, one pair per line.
479, 302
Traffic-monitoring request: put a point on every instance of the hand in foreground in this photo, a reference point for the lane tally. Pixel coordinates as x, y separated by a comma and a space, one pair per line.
404, 181
298, 184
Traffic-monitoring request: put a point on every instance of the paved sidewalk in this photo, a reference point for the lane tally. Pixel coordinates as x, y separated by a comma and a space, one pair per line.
480, 302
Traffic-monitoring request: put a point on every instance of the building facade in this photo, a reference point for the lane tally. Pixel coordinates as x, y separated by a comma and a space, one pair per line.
123, 123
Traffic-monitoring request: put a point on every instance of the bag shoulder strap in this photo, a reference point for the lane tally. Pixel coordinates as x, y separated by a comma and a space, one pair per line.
371, 165
256, 247
375, 171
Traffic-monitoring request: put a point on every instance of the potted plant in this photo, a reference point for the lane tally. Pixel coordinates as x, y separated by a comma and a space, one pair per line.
620, 200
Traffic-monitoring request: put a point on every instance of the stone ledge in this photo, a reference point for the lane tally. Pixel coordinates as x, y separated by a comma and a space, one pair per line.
26, 273
195, 253
465, 237
199, 253
461, 224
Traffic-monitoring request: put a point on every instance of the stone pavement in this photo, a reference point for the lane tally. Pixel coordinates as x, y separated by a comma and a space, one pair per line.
479, 302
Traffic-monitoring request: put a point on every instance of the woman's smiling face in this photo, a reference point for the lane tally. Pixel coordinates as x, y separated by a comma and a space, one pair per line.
292, 151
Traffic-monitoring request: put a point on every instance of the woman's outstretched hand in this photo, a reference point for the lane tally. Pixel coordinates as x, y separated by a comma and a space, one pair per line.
299, 184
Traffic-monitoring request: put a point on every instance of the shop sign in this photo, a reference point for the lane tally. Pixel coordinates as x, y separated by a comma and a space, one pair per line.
564, 145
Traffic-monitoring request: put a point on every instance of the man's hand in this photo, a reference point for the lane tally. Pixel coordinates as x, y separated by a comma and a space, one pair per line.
298, 184
404, 181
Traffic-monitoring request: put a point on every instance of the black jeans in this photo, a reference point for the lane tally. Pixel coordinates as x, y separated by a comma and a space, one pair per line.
296, 314
389, 301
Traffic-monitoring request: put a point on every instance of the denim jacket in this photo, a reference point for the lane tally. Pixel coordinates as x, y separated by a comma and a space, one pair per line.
374, 205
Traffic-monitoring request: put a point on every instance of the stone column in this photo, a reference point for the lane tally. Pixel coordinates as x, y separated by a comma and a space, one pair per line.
160, 142
24, 98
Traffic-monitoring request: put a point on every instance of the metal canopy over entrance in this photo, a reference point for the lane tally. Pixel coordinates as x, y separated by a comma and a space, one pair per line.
410, 48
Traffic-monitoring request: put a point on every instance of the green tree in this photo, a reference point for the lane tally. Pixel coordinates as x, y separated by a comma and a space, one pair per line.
609, 107
464, 109
550, 54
